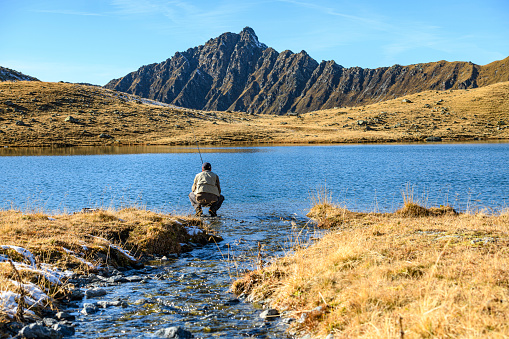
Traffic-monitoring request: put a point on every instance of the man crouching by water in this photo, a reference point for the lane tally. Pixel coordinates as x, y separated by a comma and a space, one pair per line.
206, 191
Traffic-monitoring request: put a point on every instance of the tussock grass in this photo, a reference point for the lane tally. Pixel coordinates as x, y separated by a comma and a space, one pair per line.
416, 273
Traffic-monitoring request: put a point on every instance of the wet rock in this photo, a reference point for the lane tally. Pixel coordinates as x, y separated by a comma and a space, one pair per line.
116, 279
49, 322
231, 302
189, 276
89, 309
65, 316
64, 330
95, 292
13, 327
134, 278
433, 139
269, 314
39, 331
116, 303
105, 136
75, 295
20, 123
174, 333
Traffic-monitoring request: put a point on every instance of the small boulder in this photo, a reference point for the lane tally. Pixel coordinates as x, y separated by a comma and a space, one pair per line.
39, 331
105, 136
174, 333
406, 101
89, 309
65, 316
269, 314
95, 292
71, 120
64, 330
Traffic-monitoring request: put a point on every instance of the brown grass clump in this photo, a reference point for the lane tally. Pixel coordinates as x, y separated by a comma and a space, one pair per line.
420, 274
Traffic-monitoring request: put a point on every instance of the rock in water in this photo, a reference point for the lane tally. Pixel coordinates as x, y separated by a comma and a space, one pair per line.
174, 333
269, 314
39, 331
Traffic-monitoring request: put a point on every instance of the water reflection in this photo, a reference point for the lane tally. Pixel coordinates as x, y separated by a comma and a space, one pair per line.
111, 150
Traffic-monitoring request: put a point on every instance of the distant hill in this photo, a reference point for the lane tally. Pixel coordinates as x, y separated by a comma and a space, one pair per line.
236, 72
7, 74
34, 113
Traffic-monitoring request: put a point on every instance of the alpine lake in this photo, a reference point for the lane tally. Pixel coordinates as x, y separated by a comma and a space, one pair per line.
268, 191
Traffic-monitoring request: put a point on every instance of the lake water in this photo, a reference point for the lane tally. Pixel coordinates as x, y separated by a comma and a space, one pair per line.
268, 190
277, 179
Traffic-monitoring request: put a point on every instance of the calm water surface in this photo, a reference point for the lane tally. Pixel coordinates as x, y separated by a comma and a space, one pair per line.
268, 190
363, 177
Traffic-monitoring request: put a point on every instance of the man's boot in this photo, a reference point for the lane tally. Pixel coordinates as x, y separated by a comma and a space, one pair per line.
199, 212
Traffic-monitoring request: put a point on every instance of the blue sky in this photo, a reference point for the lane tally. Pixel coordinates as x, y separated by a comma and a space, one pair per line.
95, 41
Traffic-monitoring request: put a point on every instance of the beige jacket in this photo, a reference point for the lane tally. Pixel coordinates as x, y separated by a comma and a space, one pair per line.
206, 182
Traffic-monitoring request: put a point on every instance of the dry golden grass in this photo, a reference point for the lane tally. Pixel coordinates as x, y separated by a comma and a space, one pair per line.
422, 275
454, 115
89, 235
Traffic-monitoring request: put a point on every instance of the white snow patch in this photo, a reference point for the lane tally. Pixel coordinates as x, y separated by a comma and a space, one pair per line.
121, 250
74, 255
36, 294
124, 252
24, 252
193, 230
9, 305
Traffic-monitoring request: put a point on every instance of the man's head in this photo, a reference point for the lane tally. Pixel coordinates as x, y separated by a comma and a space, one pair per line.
206, 166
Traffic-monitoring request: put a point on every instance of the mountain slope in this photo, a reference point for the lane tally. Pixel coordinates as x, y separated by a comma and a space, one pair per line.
7, 74
34, 113
237, 72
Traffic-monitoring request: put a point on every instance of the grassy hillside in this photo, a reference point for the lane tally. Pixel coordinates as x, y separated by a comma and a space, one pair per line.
35, 114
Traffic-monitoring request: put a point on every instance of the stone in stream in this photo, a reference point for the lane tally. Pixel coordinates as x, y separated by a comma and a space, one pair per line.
39, 331
76, 295
95, 292
116, 303
64, 330
173, 333
134, 278
65, 316
89, 309
269, 314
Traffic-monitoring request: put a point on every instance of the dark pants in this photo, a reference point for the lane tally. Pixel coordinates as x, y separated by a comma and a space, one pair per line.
213, 206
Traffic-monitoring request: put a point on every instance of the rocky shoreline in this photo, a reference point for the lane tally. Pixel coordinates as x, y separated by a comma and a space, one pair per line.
92, 287
51, 264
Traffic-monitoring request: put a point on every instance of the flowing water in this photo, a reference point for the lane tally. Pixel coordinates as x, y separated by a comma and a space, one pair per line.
268, 191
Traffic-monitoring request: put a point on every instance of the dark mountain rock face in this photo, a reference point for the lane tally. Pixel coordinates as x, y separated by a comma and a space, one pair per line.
7, 74
237, 72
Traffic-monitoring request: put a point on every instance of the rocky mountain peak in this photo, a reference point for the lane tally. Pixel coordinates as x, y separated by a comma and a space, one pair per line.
238, 72
248, 34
